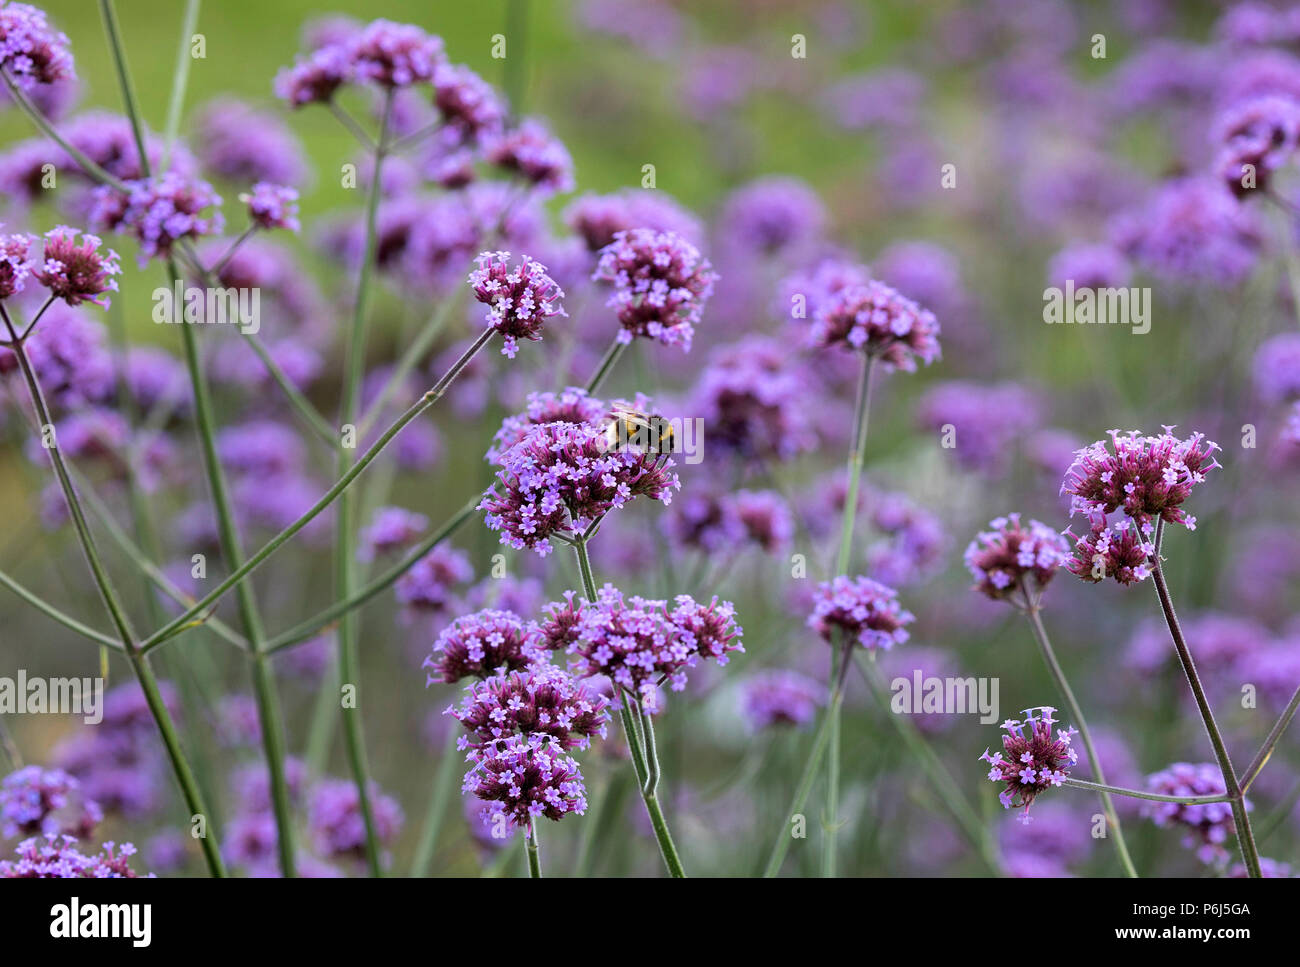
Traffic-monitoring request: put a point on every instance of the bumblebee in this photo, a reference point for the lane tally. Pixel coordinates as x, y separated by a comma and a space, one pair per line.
630, 428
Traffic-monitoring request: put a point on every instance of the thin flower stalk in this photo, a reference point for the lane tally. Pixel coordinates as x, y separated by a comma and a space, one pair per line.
345, 512
1241, 821
639, 745
1033, 613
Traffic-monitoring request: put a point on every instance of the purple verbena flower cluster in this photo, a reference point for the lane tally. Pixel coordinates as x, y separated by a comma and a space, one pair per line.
1036, 758
562, 477
520, 299
660, 285
480, 645
859, 610
1015, 559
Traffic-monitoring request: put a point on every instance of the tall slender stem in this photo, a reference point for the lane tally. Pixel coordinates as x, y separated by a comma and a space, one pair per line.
438, 797
180, 79
857, 453
1058, 674
1241, 821
195, 613
46, 425
267, 699
1139, 794
118, 50
938, 774
139, 664
1274, 735
180, 765
345, 519
640, 758
268, 710
534, 856
50, 611
612, 354
802, 791
306, 629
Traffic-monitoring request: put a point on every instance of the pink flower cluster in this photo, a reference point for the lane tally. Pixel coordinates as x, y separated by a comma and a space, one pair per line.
1035, 758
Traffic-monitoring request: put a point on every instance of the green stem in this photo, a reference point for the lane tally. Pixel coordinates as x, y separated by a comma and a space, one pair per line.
438, 798
268, 709
397, 379
180, 766
830, 817
862, 414
1139, 794
534, 857
1274, 735
141, 560
1241, 821
651, 749
301, 632
640, 759
118, 50
345, 520
50, 611
857, 453
802, 791
1063, 684
106, 590
282, 538
180, 79
43, 124
607, 362
139, 665
632, 735
938, 774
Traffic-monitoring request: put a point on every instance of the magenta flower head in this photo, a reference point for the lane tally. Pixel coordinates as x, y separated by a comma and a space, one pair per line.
1147, 477
57, 857
859, 609
390, 530
1276, 368
479, 645
77, 271
1118, 551
272, 206
31, 51
428, 585
1012, 559
571, 405
661, 283
534, 154
639, 643
527, 776
393, 55
772, 699
1258, 136
159, 212
315, 78
597, 219
544, 700
338, 828
564, 476
468, 104
1036, 758
15, 263
520, 299
879, 321
35, 800
1208, 824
